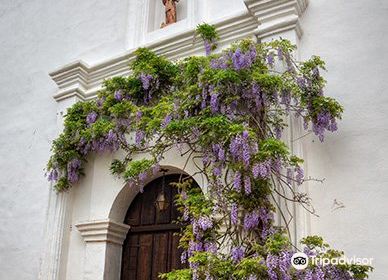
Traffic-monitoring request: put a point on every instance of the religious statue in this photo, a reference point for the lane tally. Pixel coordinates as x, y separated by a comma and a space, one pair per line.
170, 6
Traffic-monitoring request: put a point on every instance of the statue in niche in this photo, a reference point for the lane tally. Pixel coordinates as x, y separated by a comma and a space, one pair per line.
170, 6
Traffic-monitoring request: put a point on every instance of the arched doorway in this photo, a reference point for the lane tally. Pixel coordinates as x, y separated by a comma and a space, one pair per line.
151, 245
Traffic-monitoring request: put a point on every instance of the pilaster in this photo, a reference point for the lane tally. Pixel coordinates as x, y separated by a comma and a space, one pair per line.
103, 249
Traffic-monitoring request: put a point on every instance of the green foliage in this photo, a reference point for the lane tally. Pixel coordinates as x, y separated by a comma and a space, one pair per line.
269, 83
136, 167
360, 271
181, 274
213, 265
225, 112
251, 266
277, 243
207, 31
148, 62
313, 242
196, 202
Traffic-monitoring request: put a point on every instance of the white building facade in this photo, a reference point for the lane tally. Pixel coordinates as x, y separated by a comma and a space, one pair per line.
79, 234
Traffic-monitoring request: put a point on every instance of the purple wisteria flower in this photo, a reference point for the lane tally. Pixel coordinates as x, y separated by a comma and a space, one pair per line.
210, 247
299, 175
266, 219
146, 80
271, 263
214, 102
186, 214
301, 82
194, 247
247, 185
237, 254
139, 137
240, 148
276, 165
319, 274
219, 63
53, 175
281, 264
285, 264
91, 117
208, 46
108, 143
309, 275
217, 171
221, 154
278, 132
100, 101
270, 60
205, 160
234, 214
123, 122
218, 152
166, 121
73, 170
155, 169
143, 176
261, 170
237, 181
184, 257
324, 121
333, 272
139, 114
205, 223
280, 53
242, 60
285, 99
290, 176
251, 220
118, 95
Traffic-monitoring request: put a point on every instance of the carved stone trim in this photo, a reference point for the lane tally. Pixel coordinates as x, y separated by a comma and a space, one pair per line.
263, 18
276, 16
103, 231
82, 80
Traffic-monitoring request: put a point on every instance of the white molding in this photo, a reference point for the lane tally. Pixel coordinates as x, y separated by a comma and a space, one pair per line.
277, 16
103, 231
81, 80
55, 234
263, 18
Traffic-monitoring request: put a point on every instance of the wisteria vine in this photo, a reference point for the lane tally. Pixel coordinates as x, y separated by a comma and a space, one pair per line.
229, 110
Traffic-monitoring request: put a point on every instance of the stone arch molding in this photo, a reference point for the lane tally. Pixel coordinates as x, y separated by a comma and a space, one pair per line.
128, 193
85, 227
99, 207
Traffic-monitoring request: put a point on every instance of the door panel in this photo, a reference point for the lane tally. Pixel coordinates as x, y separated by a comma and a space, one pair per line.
160, 254
151, 246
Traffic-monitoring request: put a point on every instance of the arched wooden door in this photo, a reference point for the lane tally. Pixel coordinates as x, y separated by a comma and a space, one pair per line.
151, 246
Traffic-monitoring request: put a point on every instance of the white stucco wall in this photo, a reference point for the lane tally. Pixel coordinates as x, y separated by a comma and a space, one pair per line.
351, 36
38, 36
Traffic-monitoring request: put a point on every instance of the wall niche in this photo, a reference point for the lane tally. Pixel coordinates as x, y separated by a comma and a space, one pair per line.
156, 14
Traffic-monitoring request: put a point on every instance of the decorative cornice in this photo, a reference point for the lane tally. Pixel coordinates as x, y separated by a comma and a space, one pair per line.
263, 18
81, 80
276, 16
103, 231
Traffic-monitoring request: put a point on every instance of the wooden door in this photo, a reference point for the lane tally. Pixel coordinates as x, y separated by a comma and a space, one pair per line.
151, 246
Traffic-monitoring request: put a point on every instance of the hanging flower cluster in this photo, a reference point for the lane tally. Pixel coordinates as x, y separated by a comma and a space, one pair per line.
230, 109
